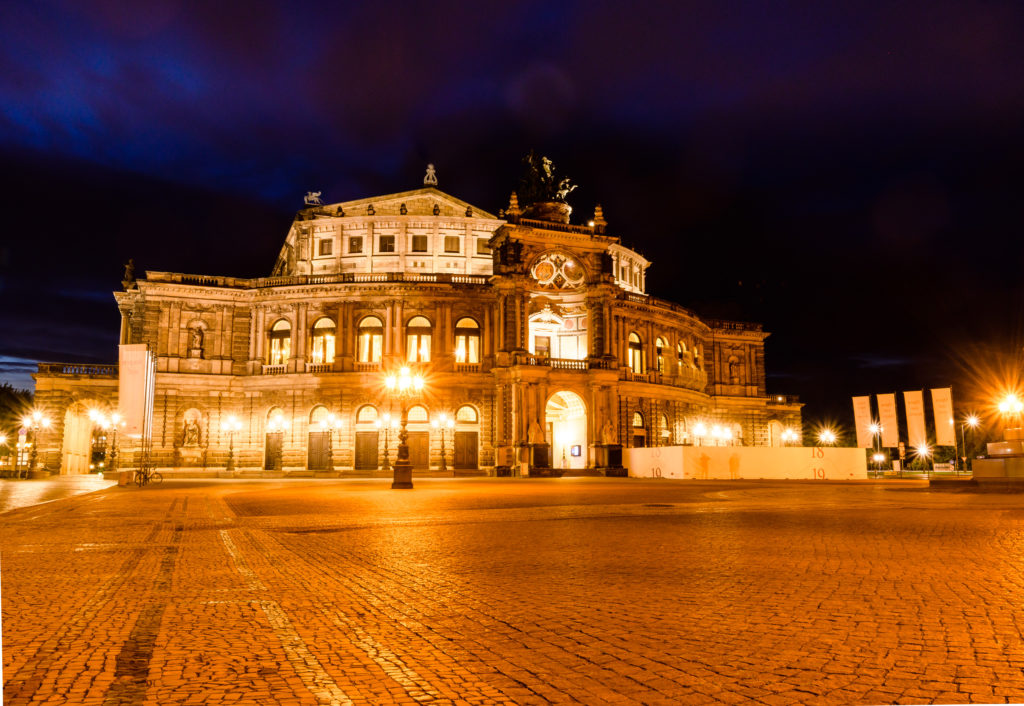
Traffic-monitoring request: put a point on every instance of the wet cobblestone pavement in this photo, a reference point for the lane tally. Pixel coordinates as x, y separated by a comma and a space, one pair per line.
515, 591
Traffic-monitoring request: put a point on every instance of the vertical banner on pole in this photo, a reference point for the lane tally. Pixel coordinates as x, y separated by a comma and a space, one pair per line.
889, 421
135, 382
942, 405
862, 420
917, 433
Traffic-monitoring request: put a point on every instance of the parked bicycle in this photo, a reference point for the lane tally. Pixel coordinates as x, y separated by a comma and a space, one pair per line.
144, 476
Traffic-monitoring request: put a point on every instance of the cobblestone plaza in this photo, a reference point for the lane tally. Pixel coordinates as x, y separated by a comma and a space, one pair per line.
586, 590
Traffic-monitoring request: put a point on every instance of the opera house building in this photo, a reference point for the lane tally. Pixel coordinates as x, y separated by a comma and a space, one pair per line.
540, 350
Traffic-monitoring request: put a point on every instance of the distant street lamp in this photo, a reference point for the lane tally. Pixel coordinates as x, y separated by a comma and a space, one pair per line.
971, 421
1011, 407
924, 451
879, 459
699, 432
826, 437
403, 386
33, 422
789, 436
231, 425
443, 422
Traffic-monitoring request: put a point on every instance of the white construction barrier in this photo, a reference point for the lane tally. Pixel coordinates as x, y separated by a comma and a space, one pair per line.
747, 462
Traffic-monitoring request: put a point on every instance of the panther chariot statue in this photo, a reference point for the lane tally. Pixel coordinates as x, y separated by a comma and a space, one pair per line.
312, 198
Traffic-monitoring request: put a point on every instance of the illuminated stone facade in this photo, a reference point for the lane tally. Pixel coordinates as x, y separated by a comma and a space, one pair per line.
535, 336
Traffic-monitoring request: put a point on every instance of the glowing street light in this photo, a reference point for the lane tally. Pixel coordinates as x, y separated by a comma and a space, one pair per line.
826, 437
971, 421
442, 422
699, 432
879, 459
403, 386
789, 436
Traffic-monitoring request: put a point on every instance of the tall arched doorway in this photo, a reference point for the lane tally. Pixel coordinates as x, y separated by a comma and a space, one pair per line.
566, 424
77, 444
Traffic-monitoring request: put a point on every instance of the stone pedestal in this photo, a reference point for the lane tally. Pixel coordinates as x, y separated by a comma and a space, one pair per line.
609, 460
402, 478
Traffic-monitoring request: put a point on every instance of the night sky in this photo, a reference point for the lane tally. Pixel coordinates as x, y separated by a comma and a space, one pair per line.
849, 174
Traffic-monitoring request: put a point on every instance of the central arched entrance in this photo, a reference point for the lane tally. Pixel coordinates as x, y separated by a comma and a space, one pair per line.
565, 418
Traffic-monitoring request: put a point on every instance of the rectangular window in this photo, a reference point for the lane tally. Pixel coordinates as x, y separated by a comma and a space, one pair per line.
451, 243
326, 247
386, 243
467, 348
419, 243
417, 347
482, 248
355, 244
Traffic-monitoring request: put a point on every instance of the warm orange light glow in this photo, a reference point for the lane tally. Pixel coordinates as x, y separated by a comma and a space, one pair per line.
972, 421
826, 436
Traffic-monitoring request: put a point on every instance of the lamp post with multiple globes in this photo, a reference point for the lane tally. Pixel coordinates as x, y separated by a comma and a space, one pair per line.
231, 425
110, 422
403, 386
826, 437
33, 422
442, 422
789, 436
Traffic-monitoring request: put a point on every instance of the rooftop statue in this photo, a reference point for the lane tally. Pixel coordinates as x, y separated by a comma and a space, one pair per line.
539, 182
431, 177
312, 198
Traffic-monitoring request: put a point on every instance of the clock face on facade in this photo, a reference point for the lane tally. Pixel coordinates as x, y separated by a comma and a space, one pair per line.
558, 271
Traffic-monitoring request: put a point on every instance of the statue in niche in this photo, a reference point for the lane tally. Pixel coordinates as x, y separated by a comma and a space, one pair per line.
195, 346
607, 432
735, 370
191, 433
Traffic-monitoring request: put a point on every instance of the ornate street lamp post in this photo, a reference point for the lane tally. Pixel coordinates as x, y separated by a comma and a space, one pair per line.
387, 424
442, 422
33, 422
331, 425
826, 437
231, 425
403, 387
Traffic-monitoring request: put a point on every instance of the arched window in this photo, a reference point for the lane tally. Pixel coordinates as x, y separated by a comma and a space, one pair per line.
698, 355
317, 417
638, 420
466, 414
280, 348
659, 349
370, 340
467, 341
367, 414
680, 356
417, 340
666, 432
418, 414
636, 354
323, 341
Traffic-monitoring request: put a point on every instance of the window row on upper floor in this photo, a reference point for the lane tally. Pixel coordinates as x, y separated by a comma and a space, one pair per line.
369, 340
387, 244
688, 356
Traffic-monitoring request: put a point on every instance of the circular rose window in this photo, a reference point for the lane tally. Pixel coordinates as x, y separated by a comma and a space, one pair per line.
558, 272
